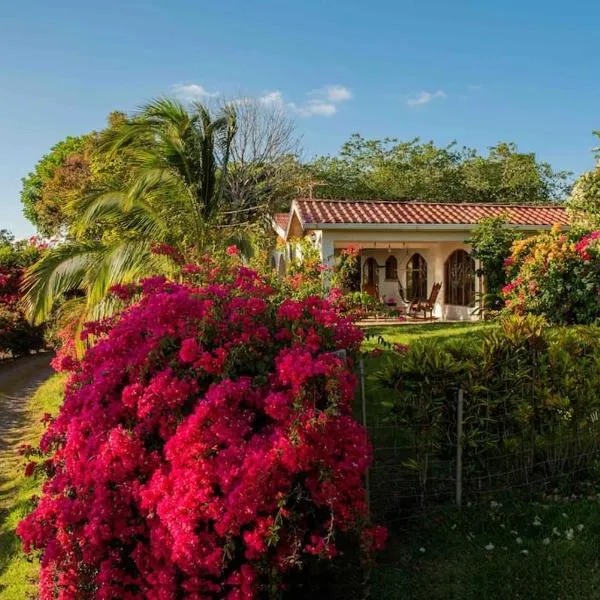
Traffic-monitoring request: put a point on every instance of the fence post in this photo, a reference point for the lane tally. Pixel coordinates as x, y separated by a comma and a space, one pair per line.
459, 444
363, 406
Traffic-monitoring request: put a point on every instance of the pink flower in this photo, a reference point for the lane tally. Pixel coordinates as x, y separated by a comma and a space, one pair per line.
189, 350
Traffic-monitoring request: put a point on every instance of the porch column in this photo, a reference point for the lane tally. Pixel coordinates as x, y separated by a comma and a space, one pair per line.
327, 256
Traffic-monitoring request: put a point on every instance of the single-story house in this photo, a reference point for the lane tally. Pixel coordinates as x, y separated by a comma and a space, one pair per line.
405, 247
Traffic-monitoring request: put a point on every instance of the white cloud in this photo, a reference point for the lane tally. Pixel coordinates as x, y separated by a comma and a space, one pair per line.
475, 88
313, 108
191, 92
425, 97
324, 101
273, 98
333, 93
320, 103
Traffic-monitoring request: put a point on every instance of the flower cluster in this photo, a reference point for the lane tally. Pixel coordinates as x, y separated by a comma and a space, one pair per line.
555, 275
205, 449
17, 336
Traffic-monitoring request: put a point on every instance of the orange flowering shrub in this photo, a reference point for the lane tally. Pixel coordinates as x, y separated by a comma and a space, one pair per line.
555, 275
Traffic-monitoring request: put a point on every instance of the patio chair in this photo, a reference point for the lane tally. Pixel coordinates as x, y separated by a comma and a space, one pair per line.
425, 305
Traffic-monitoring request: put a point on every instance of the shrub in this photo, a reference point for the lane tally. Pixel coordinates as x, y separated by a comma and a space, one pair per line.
17, 336
346, 273
555, 276
491, 243
205, 448
532, 396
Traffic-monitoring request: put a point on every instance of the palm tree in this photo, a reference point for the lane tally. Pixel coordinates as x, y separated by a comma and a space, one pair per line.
178, 160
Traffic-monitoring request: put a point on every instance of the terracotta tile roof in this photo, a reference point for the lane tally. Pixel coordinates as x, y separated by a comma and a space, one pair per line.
322, 212
281, 220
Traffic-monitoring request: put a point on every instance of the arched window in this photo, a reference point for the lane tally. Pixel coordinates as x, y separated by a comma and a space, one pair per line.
391, 269
460, 279
416, 278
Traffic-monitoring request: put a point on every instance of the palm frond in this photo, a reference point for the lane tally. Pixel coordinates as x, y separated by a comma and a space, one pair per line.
59, 271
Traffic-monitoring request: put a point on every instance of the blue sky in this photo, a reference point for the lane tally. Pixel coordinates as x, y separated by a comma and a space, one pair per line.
478, 72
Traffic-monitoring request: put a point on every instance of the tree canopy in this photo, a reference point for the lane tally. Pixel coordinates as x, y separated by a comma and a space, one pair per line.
73, 169
391, 169
165, 185
584, 203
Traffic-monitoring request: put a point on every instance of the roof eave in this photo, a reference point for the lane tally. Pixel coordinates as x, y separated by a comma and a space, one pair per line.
420, 226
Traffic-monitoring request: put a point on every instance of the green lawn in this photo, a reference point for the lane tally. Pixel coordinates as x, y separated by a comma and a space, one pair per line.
17, 574
544, 550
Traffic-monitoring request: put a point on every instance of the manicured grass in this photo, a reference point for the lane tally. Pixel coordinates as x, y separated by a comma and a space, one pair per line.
518, 550
405, 334
17, 574
379, 400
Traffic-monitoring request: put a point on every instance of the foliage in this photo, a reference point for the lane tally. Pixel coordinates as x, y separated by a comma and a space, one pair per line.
347, 270
530, 410
17, 336
305, 275
177, 160
556, 275
73, 169
584, 202
392, 169
44, 208
491, 243
205, 447
167, 184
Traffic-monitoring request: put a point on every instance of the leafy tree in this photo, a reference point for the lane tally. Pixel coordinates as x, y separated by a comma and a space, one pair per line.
171, 208
491, 243
584, 203
395, 170
42, 205
71, 170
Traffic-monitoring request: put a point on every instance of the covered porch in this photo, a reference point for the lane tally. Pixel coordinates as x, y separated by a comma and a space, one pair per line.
400, 271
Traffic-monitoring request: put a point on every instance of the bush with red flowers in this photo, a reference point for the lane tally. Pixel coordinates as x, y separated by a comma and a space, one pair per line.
17, 336
205, 449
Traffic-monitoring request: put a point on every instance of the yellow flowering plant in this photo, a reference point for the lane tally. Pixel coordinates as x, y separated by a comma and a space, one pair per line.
556, 275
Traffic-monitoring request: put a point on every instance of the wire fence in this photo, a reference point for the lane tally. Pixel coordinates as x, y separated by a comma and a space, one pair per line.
457, 452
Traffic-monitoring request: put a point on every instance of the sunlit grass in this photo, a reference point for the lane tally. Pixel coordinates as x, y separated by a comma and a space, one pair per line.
17, 573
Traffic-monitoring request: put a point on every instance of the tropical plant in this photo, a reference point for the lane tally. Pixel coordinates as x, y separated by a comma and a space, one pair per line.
491, 242
173, 206
531, 401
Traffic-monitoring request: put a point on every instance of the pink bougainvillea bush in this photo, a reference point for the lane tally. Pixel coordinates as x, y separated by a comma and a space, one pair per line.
205, 449
17, 336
